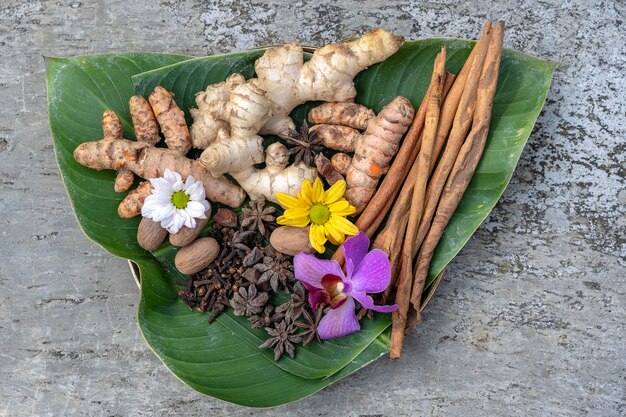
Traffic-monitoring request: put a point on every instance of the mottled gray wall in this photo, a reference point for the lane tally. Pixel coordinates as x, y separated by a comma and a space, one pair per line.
529, 320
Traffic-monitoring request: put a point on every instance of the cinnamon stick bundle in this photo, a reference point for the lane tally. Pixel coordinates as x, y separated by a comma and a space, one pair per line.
417, 203
460, 127
391, 237
451, 102
465, 163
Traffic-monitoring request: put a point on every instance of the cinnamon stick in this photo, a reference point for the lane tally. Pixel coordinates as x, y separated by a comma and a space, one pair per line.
451, 101
460, 127
465, 163
417, 203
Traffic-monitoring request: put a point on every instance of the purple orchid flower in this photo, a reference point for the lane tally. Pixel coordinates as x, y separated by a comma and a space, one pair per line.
327, 284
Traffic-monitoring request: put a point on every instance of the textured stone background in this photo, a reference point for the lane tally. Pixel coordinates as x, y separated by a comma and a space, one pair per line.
529, 320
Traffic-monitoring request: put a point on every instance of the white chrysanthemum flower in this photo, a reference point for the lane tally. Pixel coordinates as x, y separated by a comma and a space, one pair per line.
175, 203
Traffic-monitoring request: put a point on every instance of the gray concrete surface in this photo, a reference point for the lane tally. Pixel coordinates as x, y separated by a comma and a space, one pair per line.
528, 322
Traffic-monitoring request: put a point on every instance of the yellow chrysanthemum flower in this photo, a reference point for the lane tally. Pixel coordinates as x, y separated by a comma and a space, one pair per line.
325, 211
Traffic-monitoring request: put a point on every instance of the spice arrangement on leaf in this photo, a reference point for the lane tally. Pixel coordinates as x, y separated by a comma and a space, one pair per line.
248, 269
307, 243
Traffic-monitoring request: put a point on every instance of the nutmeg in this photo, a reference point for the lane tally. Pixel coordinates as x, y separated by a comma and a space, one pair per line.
197, 256
186, 235
150, 234
291, 240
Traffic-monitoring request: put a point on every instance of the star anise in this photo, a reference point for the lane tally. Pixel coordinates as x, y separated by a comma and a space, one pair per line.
294, 307
248, 302
276, 269
283, 337
309, 326
306, 144
258, 217
266, 318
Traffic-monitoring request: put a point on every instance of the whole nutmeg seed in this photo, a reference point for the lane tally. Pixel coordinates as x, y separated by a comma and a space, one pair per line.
291, 240
186, 235
150, 234
197, 256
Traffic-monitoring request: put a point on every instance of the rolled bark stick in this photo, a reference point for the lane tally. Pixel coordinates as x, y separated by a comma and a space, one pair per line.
405, 280
451, 102
458, 133
465, 164
391, 238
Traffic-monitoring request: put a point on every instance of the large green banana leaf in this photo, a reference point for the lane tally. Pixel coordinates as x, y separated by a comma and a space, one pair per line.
223, 359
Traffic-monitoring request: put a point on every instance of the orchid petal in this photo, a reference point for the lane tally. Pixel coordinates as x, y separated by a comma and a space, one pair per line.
354, 250
373, 274
367, 302
339, 321
310, 270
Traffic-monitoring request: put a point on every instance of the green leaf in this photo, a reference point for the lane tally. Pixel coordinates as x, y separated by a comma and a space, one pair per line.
219, 363
222, 359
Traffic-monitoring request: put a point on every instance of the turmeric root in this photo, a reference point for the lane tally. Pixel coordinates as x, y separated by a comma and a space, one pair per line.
112, 129
352, 115
231, 114
341, 162
341, 138
148, 162
146, 130
276, 176
171, 119
144, 120
375, 150
131, 204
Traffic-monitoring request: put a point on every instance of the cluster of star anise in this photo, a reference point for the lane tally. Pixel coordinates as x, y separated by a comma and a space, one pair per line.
245, 275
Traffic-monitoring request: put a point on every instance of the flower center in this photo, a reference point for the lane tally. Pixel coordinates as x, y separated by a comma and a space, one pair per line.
319, 213
180, 199
336, 290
